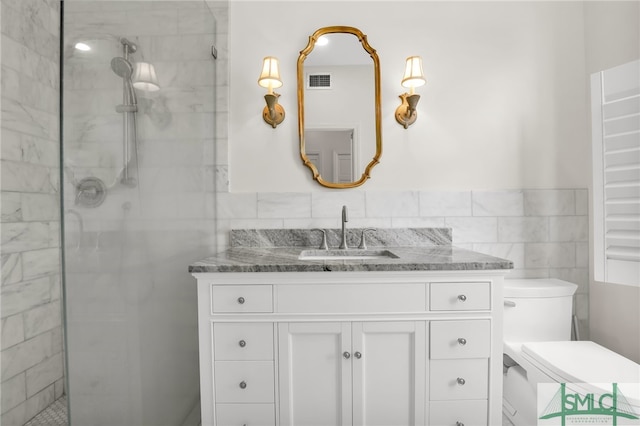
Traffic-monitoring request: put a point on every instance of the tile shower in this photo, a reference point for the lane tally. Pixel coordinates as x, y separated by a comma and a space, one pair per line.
129, 322
131, 333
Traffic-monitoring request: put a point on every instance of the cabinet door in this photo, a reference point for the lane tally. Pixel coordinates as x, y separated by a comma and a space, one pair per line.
389, 362
314, 374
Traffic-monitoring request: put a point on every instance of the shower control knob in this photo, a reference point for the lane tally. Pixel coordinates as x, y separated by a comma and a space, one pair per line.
242, 343
243, 385
461, 381
241, 300
462, 341
462, 298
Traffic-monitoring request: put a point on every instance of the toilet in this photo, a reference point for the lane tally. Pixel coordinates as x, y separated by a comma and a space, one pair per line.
538, 349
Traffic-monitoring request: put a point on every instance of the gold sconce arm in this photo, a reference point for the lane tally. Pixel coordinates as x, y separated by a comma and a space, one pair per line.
406, 113
273, 113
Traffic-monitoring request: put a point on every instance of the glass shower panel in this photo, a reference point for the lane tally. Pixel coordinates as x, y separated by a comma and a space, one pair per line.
138, 206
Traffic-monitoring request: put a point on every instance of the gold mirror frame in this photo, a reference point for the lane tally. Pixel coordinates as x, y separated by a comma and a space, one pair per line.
378, 114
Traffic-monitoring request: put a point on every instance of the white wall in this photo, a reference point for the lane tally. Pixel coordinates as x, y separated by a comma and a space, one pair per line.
504, 105
612, 37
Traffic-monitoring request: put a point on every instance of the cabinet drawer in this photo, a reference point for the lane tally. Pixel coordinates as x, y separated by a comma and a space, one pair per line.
244, 381
351, 298
460, 339
241, 298
470, 296
242, 341
245, 415
467, 413
458, 379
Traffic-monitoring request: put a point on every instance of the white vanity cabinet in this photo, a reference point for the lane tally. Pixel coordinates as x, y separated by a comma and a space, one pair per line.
350, 348
336, 373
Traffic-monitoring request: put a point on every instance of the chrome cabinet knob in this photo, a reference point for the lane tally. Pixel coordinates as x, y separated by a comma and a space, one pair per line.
241, 300
461, 381
243, 385
346, 355
457, 424
462, 341
462, 298
242, 343
357, 355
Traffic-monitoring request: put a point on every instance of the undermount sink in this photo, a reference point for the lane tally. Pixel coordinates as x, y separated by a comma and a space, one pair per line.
339, 254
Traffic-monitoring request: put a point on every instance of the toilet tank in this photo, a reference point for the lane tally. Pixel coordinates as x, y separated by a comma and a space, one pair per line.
537, 310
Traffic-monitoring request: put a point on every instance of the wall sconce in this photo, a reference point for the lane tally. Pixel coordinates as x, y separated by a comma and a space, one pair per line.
145, 78
273, 113
406, 113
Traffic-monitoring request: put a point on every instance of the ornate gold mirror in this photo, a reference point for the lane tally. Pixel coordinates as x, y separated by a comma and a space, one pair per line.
339, 118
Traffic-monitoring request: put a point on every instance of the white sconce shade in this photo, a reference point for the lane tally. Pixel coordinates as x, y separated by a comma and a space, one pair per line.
413, 74
145, 78
270, 76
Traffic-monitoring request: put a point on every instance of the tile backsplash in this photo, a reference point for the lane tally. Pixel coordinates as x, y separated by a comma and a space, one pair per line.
543, 231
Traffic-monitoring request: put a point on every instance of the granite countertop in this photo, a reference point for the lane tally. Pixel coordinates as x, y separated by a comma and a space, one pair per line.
418, 249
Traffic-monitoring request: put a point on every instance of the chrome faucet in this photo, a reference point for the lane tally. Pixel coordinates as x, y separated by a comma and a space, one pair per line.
345, 219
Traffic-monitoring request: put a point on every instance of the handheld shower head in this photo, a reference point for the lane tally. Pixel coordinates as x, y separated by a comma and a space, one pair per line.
122, 67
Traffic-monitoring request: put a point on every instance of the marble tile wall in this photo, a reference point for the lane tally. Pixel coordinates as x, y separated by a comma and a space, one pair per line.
544, 232
32, 353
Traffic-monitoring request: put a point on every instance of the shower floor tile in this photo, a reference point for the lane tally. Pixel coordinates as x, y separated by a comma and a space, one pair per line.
53, 415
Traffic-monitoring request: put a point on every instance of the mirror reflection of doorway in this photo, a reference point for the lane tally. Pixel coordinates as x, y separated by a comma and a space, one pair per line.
331, 151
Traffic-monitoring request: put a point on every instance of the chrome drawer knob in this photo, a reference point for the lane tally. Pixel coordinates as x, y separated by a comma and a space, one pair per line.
461, 381
241, 300
346, 355
462, 341
357, 355
462, 298
242, 343
243, 384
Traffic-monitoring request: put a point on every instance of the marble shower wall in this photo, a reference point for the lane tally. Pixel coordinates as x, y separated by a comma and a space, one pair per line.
32, 352
544, 232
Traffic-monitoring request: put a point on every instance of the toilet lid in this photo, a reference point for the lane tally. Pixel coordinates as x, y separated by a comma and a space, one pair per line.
581, 362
